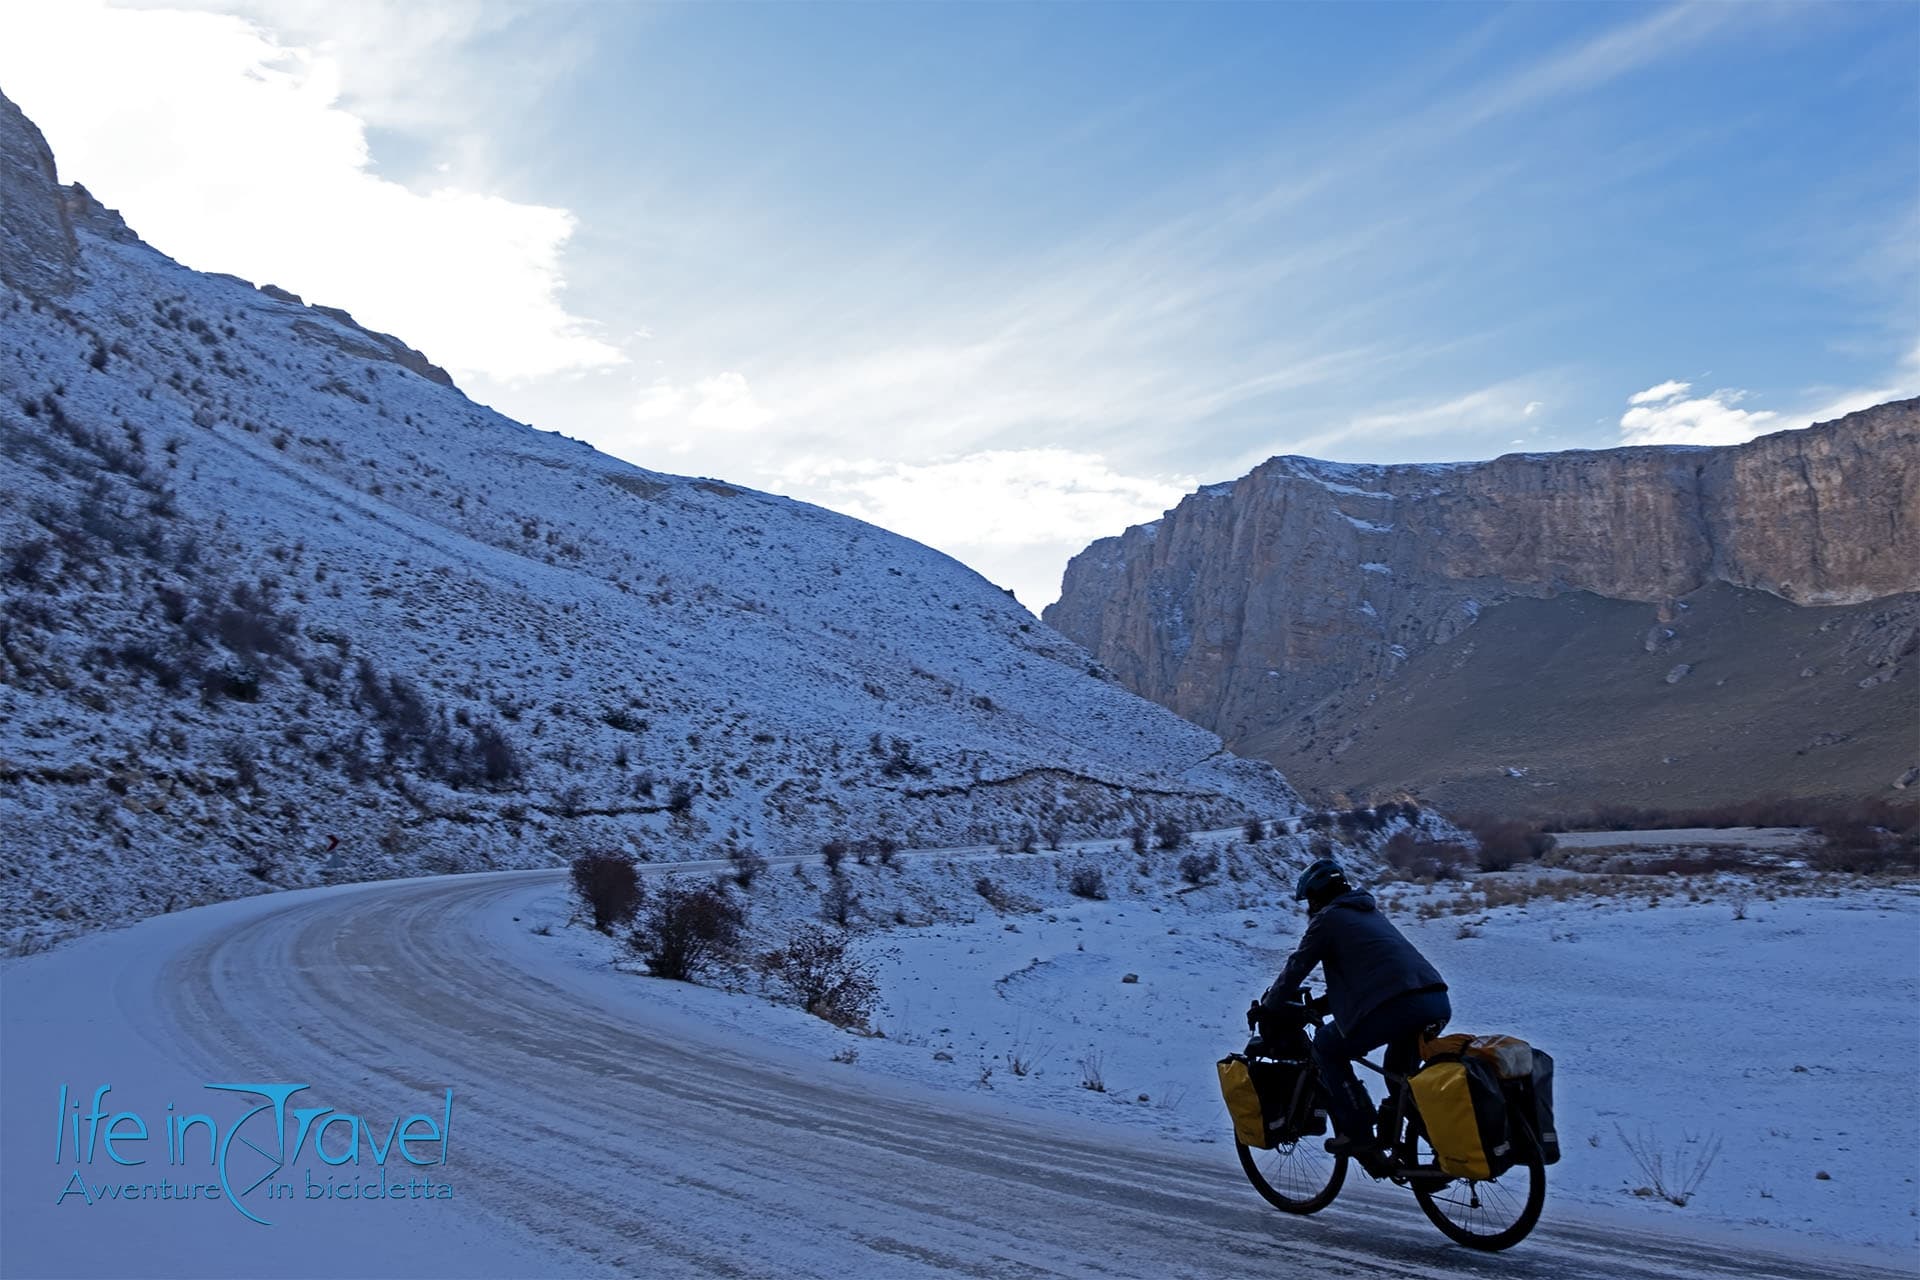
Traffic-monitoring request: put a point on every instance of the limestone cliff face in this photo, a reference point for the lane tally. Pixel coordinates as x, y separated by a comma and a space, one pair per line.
37, 249
1252, 601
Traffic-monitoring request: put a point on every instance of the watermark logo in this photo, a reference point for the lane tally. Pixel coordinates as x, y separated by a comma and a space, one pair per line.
264, 1156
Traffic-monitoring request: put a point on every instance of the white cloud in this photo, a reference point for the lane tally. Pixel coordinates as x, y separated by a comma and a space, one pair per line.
1533, 407
1666, 414
240, 157
1663, 391
1015, 515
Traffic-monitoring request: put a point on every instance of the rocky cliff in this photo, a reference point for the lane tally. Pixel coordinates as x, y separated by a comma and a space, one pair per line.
1275, 608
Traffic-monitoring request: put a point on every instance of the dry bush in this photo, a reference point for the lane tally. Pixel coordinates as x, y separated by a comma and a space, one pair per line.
687, 929
1506, 842
1898, 816
608, 886
838, 902
1197, 868
823, 977
748, 865
996, 897
1087, 881
1856, 846
1673, 1177
1414, 857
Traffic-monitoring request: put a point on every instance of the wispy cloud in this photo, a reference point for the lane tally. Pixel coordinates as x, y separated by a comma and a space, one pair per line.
1660, 393
241, 158
1478, 413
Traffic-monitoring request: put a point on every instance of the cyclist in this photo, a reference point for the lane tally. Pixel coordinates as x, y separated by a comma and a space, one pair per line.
1380, 990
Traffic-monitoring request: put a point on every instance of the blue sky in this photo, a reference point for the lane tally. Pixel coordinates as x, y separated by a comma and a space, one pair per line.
1009, 277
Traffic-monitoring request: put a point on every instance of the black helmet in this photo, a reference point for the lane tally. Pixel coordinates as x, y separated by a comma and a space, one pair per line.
1321, 882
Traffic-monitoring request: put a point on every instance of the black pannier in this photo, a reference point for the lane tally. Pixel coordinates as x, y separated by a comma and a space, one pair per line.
1530, 1100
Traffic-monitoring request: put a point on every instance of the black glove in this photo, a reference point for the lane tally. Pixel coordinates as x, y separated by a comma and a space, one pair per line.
1253, 1016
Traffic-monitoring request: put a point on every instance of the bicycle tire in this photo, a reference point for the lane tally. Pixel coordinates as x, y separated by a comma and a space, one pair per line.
1436, 1200
1336, 1177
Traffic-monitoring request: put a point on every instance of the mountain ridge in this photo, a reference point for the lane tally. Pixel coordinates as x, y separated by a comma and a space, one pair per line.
1273, 608
279, 605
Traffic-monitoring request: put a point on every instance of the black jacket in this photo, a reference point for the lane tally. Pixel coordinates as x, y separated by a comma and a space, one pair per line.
1366, 961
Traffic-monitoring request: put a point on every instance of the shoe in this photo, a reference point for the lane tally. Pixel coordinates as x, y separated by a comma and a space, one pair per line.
1370, 1157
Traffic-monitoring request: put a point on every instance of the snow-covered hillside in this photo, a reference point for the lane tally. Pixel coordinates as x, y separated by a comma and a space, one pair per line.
278, 604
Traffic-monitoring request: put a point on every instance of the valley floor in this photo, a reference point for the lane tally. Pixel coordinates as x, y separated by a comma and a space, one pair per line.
1785, 1037
606, 1123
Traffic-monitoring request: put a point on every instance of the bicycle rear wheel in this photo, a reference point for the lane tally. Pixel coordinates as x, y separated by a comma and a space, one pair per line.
1491, 1215
1297, 1177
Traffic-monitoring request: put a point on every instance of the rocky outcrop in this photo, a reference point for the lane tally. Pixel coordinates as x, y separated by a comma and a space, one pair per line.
1250, 603
37, 248
40, 253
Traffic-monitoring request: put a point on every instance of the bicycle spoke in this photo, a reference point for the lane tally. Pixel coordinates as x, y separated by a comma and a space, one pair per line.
1297, 1171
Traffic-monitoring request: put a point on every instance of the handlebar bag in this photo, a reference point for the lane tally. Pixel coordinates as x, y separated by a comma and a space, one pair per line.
1465, 1115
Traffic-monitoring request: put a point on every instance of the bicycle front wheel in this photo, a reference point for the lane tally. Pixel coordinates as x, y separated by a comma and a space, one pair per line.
1491, 1215
1296, 1177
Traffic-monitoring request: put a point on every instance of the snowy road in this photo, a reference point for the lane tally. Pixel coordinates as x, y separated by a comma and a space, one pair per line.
591, 1138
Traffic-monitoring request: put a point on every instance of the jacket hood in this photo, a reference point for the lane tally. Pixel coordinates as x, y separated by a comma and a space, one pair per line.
1354, 900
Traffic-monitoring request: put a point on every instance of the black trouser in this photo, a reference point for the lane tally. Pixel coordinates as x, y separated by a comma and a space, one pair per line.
1395, 1024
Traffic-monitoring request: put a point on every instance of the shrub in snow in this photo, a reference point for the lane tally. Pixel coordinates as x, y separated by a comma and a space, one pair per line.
747, 866
1087, 881
1168, 834
609, 888
824, 977
997, 898
1197, 868
1416, 858
900, 761
1673, 1176
1506, 843
1854, 845
1256, 831
839, 902
884, 848
686, 929
833, 853
1137, 836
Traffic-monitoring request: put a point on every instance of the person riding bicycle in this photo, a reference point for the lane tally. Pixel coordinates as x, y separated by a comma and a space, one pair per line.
1380, 990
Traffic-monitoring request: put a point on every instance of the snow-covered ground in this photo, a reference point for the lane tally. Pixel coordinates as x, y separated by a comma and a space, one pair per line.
1787, 1036
610, 1124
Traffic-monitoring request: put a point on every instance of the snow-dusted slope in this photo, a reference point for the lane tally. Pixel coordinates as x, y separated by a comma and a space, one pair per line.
269, 581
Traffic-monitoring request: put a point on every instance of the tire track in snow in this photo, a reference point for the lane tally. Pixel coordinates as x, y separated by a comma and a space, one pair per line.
720, 1160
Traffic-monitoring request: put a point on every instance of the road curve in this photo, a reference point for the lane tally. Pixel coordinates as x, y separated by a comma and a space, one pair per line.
622, 1146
